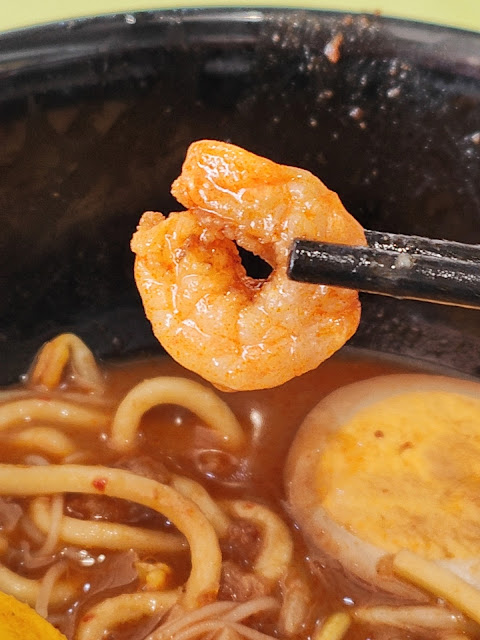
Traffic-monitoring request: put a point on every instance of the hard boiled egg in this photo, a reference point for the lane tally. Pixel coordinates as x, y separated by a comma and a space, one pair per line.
391, 463
18, 621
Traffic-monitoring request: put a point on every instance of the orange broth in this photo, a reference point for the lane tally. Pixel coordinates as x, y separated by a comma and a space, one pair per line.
173, 437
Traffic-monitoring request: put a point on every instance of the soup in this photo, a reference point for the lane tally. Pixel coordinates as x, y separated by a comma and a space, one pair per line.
137, 502
101, 556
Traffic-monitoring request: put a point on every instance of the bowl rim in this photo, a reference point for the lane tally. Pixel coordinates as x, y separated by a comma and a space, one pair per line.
46, 44
30, 13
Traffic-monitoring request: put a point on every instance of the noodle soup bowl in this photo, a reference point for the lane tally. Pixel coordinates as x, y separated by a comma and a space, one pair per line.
96, 116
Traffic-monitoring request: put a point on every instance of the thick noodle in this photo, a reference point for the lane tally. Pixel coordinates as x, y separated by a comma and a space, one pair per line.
198, 494
127, 607
189, 394
47, 440
104, 535
52, 412
277, 546
27, 590
57, 354
203, 582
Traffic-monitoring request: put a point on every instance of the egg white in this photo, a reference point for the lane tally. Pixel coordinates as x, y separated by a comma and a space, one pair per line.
328, 538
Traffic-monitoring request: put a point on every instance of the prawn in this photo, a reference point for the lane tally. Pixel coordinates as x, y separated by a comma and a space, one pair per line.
238, 332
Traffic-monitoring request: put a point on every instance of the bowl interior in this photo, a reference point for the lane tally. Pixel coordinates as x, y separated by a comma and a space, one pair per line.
96, 116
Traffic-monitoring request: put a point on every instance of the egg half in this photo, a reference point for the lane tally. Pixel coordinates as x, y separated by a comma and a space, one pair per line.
18, 621
391, 463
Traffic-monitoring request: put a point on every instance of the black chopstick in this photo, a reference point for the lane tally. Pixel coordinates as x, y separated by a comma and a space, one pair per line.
395, 265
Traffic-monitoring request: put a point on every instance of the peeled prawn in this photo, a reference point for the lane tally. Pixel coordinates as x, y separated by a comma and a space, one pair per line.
238, 332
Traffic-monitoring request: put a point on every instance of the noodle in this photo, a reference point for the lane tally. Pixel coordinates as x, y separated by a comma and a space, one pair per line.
127, 607
247, 609
203, 583
196, 493
213, 626
439, 581
51, 411
35, 560
214, 617
27, 590
46, 587
297, 601
187, 393
46, 439
408, 617
7, 395
54, 357
10, 515
104, 535
170, 628
277, 546
56, 512
31, 530
334, 627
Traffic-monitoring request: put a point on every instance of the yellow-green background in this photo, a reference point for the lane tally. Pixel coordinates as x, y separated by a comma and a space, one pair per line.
458, 13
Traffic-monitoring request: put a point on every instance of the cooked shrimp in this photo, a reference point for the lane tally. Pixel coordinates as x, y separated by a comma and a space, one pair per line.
238, 332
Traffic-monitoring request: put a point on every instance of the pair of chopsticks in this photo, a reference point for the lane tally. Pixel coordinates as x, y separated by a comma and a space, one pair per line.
395, 265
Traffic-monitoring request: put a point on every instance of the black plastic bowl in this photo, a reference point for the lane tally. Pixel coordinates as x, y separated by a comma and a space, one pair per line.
96, 116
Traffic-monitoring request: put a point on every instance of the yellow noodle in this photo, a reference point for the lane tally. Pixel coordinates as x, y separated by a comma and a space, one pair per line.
56, 513
105, 535
51, 411
46, 587
27, 590
203, 582
46, 440
167, 390
71, 397
439, 581
50, 364
54, 357
297, 602
277, 546
127, 607
334, 627
31, 530
407, 617
196, 493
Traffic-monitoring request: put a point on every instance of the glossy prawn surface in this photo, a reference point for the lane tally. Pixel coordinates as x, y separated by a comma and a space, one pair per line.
235, 331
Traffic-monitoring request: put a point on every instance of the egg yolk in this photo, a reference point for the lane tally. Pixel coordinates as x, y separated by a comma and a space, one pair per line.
405, 473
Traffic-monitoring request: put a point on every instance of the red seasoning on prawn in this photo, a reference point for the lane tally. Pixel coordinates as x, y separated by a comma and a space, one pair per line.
237, 332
